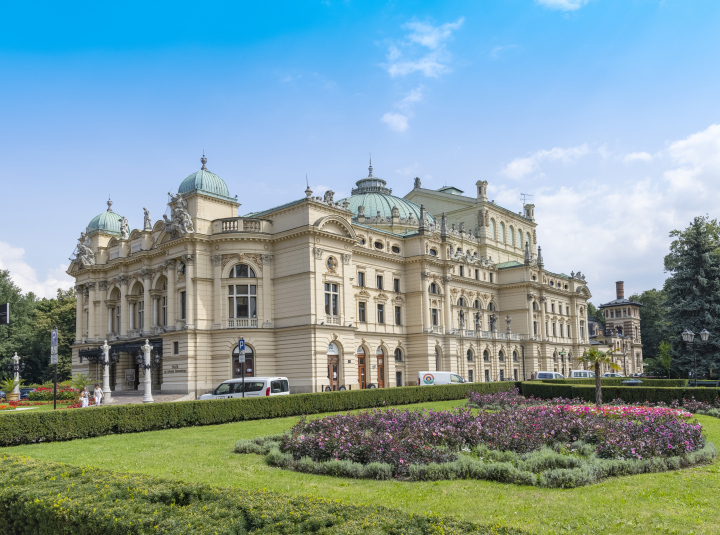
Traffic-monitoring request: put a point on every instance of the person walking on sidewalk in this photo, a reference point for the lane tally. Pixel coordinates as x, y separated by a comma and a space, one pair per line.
98, 395
85, 397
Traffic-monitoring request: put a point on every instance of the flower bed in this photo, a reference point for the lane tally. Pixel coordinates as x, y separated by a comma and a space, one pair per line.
521, 444
46, 394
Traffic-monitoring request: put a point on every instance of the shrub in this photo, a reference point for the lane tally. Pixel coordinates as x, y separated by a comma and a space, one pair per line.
42, 497
629, 394
616, 381
68, 425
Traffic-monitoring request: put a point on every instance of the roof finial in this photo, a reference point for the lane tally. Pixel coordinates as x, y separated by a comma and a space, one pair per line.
308, 191
204, 161
370, 175
109, 203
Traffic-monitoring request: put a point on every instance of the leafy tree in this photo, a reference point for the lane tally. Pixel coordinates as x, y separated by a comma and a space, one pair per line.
693, 294
14, 336
596, 358
653, 321
594, 312
662, 364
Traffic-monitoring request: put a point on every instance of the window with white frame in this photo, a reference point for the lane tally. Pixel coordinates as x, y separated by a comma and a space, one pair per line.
331, 299
242, 301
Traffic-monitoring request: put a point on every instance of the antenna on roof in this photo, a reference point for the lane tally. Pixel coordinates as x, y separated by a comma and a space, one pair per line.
524, 197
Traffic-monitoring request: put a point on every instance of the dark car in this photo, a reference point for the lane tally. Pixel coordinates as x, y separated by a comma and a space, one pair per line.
2, 394
25, 391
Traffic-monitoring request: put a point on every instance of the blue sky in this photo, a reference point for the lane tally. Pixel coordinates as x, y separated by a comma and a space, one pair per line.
606, 111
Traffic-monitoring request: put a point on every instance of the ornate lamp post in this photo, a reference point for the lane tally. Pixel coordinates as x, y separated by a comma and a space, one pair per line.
15, 367
689, 338
107, 361
146, 363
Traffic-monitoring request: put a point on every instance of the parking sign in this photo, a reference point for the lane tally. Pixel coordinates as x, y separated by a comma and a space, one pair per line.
241, 349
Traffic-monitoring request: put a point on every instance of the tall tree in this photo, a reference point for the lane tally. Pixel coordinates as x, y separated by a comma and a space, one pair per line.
653, 321
693, 295
594, 312
15, 336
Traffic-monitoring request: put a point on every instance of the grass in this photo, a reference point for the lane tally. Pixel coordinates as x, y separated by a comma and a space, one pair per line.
667, 503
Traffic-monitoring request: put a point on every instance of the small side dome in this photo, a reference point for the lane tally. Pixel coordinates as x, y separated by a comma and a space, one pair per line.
108, 222
205, 182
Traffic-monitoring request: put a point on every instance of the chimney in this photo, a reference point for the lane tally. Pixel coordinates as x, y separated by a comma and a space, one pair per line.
620, 289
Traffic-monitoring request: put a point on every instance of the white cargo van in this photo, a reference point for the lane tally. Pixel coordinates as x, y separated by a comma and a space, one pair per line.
549, 375
254, 387
582, 374
439, 378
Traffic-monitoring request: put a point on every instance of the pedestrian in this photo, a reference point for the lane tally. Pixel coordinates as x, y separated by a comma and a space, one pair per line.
85, 397
98, 395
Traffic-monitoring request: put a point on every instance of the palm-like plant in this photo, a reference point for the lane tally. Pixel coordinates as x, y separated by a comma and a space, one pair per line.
8, 385
80, 381
596, 358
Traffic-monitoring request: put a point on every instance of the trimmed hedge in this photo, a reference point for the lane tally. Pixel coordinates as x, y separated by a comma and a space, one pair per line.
25, 428
616, 381
630, 394
54, 498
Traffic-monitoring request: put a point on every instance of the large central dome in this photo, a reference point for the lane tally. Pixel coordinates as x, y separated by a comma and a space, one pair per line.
205, 182
372, 194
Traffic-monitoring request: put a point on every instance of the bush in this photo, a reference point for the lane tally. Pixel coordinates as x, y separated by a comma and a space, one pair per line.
68, 425
42, 497
616, 381
629, 394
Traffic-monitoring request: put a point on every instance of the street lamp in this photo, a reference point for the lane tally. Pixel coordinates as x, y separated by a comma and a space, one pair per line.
689, 338
146, 363
15, 367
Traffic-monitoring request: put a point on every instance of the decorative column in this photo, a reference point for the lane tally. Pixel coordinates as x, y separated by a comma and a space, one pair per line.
171, 277
102, 291
124, 306
147, 396
79, 312
146, 275
217, 291
155, 301
189, 260
107, 394
448, 304
425, 318
91, 310
267, 289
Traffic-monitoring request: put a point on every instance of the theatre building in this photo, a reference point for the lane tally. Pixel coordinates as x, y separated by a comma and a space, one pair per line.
350, 293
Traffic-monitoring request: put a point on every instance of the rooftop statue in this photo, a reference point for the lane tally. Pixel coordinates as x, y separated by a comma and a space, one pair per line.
124, 228
180, 222
147, 223
84, 254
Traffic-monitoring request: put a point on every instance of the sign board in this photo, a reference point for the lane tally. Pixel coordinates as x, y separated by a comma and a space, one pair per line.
53, 346
5, 314
241, 350
53, 358
130, 375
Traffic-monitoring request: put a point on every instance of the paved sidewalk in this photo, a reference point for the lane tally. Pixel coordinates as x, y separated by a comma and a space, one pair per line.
135, 397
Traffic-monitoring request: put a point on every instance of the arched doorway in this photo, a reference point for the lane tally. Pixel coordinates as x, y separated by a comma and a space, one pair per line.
333, 356
380, 354
362, 378
248, 366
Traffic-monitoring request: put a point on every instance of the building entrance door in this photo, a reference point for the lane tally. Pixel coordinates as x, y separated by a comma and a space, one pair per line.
380, 367
333, 371
361, 367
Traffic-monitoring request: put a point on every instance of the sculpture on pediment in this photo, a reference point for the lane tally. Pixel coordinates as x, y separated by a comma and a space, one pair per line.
180, 222
147, 224
84, 254
124, 228
417, 182
361, 211
328, 197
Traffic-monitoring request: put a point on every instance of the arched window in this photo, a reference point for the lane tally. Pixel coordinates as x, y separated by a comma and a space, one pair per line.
476, 304
470, 355
486, 356
502, 232
527, 237
434, 288
512, 236
491, 306
515, 356
398, 355
520, 241
461, 302
242, 271
501, 356
535, 305
492, 229
248, 366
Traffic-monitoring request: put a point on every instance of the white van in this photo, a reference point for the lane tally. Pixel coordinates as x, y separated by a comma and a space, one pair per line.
439, 378
254, 387
549, 375
582, 374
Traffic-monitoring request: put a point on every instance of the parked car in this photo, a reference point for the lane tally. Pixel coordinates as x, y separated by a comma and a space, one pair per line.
254, 387
2, 395
612, 375
582, 374
549, 375
25, 391
439, 378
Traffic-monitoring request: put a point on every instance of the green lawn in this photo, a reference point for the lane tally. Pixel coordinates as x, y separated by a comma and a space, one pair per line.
673, 502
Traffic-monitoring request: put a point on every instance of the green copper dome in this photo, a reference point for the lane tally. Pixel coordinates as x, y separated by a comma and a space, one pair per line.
108, 222
372, 194
205, 182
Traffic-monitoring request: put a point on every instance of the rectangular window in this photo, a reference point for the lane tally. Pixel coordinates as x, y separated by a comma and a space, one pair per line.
381, 313
331, 299
361, 312
242, 300
462, 271
434, 313
398, 316
470, 376
568, 330
176, 348
535, 328
552, 307
477, 274
567, 310
547, 329
487, 376
491, 277
182, 305
561, 330
554, 333
164, 310
379, 282
582, 332
398, 379
361, 279
396, 285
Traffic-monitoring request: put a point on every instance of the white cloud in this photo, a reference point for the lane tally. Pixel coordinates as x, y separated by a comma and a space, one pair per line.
409, 170
495, 52
698, 161
26, 277
430, 36
396, 121
638, 157
521, 167
563, 5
